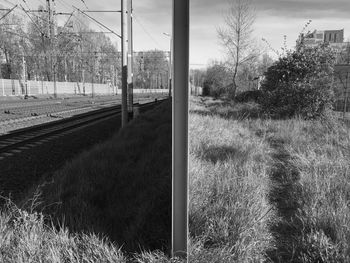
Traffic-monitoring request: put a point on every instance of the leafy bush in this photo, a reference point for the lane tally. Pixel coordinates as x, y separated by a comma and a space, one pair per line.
249, 95
300, 83
206, 88
216, 79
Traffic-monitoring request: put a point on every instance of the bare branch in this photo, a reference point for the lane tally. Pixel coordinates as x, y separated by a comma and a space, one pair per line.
235, 37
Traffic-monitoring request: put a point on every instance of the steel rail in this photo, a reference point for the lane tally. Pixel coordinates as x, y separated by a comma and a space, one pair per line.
25, 136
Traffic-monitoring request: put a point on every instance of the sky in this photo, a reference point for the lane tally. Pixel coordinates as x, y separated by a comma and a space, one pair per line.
152, 18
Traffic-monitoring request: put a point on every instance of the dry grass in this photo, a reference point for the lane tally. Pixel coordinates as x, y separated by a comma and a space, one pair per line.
267, 190
118, 191
24, 237
228, 166
122, 187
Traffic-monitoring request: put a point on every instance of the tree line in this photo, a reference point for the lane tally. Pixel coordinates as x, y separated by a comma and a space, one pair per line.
35, 48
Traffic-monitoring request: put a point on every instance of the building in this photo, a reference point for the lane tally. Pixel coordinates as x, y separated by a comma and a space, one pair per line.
321, 36
342, 68
335, 38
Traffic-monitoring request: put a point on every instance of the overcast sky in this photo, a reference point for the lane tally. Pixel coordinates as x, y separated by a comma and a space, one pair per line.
274, 19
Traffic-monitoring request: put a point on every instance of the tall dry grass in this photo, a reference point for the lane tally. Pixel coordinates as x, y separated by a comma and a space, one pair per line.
119, 191
237, 210
227, 205
24, 237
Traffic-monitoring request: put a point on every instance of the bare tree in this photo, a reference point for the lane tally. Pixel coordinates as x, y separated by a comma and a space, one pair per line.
236, 37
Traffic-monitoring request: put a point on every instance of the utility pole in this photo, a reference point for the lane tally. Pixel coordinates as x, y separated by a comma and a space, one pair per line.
170, 68
170, 65
124, 65
180, 127
54, 48
113, 79
130, 61
93, 75
346, 95
52, 41
25, 76
83, 79
82, 65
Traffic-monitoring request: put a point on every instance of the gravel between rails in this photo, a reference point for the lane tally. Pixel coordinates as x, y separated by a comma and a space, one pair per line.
17, 113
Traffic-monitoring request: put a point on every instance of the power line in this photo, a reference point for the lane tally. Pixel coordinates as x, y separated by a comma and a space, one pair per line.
101, 11
98, 22
15, 10
84, 3
77, 17
38, 28
68, 20
8, 12
144, 29
9, 2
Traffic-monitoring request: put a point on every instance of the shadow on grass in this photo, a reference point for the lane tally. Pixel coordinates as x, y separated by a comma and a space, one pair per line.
228, 109
285, 196
297, 237
215, 154
121, 188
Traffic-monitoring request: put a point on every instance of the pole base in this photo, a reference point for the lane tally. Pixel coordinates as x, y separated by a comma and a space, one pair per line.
130, 116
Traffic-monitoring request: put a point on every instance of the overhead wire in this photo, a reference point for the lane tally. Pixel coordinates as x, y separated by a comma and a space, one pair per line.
99, 23
35, 24
145, 30
77, 17
8, 12
15, 10
84, 4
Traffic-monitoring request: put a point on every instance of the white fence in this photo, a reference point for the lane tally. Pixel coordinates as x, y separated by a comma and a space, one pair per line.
14, 87
196, 90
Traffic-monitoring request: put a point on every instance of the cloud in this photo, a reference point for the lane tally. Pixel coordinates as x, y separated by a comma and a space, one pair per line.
304, 8
284, 8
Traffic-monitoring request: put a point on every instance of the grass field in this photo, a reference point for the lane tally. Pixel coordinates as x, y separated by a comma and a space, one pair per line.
267, 190
111, 204
261, 190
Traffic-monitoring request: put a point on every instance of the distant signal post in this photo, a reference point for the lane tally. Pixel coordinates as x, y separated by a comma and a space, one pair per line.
124, 65
130, 60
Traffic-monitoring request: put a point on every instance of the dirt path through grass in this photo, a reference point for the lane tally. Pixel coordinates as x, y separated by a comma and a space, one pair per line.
285, 197
266, 190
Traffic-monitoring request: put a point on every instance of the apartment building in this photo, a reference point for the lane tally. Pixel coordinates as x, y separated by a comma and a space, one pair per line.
321, 36
335, 38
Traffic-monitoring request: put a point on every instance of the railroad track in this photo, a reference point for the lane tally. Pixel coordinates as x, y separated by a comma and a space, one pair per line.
22, 139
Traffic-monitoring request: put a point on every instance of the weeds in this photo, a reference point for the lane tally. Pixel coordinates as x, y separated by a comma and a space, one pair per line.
265, 190
25, 238
119, 191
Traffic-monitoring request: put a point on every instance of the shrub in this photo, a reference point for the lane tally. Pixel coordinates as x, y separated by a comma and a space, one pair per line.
300, 83
249, 96
206, 88
216, 79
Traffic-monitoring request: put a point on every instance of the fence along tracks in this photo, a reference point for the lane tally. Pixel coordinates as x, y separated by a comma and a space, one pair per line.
18, 140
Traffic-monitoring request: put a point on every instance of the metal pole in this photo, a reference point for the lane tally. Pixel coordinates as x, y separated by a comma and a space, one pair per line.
25, 76
346, 94
124, 65
92, 79
180, 127
170, 62
52, 21
83, 78
170, 65
130, 60
113, 80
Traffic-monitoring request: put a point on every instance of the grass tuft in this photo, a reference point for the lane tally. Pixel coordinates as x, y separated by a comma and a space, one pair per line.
264, 190
24, 237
